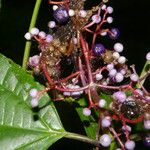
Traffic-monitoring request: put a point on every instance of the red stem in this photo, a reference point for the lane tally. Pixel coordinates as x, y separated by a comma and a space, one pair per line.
126, 130
58, 3
117, 137
98, 28
91, 104
71, 90
82, 76
50, 81
113, 87
86, 56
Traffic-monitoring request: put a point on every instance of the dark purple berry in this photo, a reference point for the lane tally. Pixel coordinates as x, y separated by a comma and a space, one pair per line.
147, 141
61, 14
98, 49
130, 109
114, 33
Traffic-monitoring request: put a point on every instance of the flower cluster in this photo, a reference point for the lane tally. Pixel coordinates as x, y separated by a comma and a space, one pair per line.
93, 68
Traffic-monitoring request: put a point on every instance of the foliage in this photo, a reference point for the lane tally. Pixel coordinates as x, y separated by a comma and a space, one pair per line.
20, 126
24, 127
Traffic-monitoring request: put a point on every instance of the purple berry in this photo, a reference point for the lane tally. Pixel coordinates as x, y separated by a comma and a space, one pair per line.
28, 36
148, 56
61, 14
105, 122
130, 109
130, 145
34, 61
98, 49
105, 140
33, 93
134, 77
49, 38
34, 102
147, 124
102, 103
120, 96
147, 141
119, 77
86, 112
128, 128
114, 33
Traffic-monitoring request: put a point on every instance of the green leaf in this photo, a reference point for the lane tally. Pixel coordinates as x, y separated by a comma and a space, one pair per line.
113, 145
89, 123
20, 126
108, 99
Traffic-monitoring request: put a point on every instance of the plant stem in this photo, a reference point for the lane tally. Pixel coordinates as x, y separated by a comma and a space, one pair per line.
82, 138
144, 72
32, 24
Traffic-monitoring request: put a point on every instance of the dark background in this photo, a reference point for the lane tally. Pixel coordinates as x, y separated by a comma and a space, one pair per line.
132, 17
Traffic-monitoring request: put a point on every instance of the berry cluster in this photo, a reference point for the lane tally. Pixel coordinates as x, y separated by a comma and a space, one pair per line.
95, 67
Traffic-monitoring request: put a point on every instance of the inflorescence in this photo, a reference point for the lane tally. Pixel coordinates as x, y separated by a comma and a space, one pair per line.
73, 47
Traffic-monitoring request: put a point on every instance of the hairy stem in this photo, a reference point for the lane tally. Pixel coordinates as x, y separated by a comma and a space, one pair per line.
82, 138
32, 24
